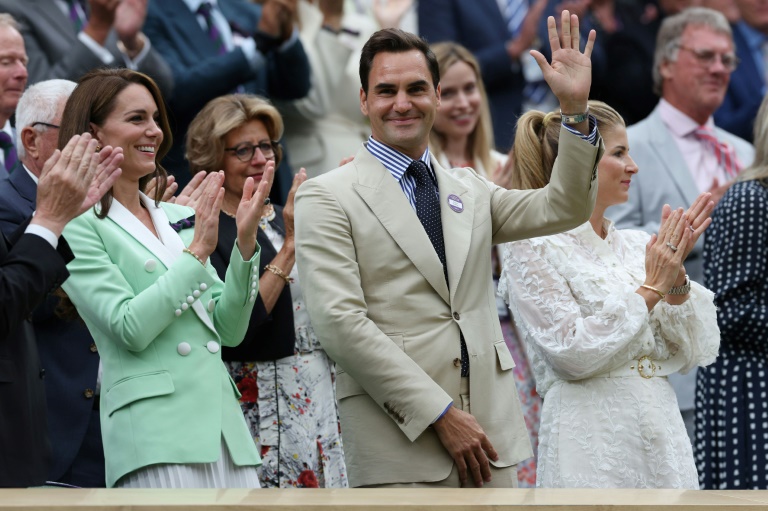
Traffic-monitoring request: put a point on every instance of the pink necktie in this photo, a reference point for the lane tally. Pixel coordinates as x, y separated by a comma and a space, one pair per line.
725, 153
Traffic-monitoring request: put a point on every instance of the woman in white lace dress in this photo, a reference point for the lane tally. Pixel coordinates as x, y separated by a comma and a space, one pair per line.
606, 314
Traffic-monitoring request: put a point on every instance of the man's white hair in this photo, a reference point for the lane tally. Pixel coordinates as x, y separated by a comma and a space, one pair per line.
39, 104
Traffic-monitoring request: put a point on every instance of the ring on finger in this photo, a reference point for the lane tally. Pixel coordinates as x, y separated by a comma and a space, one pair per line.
691, 228
672, 247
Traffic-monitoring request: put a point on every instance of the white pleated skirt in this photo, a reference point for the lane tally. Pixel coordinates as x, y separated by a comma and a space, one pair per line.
220, 474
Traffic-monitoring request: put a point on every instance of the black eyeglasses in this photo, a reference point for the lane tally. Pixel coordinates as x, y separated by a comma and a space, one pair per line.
47, 125
708, 57
246, 150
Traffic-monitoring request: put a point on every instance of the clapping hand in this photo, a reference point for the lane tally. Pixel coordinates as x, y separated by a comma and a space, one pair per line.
250, 209
73, 180
665, 252
207, 216
288, 209
389, 13
699, 219
570, 74
107, 172
189, 195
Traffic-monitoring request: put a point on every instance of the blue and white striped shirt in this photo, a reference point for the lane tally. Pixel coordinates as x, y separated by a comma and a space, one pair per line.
397, 163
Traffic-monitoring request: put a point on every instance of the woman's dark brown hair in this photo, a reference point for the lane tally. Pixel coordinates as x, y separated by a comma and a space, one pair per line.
93, 100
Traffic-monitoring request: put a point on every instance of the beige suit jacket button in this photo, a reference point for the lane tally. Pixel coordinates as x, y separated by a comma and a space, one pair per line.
456, 316
212, 346
457, 362
184, 349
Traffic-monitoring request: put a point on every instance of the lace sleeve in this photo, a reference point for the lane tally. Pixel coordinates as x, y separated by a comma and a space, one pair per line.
576, 338
691, 326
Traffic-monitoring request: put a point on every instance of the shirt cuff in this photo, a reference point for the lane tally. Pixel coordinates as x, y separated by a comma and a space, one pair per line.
255, 58
44, 233
134, 63
592, 137
104, 55
443, 413
289, 42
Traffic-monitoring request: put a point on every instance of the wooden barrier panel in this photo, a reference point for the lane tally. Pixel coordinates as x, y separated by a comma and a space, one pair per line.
55, 499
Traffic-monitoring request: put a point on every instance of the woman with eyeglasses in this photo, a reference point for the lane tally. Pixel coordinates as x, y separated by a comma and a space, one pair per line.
286, 379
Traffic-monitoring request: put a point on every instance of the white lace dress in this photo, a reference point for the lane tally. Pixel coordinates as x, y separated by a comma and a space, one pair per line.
573, 297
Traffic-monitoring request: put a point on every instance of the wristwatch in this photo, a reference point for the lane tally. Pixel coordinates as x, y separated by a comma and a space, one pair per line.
681, 290
574, 118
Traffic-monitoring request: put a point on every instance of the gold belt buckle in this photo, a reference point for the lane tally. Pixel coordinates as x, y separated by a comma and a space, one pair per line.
645, 367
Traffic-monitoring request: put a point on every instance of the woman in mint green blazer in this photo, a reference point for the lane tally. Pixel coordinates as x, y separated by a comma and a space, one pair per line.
159, 314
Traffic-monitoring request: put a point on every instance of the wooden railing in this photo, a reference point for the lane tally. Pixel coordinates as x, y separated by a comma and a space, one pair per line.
44, 499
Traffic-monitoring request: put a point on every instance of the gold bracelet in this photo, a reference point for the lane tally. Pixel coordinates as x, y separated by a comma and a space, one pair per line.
280, 273
646, 286
188, 251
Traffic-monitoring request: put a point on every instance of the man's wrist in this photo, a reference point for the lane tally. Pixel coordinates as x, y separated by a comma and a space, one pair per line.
55, 226
574, 108
132, 46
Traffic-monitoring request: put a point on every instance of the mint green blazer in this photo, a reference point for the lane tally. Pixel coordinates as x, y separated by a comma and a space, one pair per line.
159, 319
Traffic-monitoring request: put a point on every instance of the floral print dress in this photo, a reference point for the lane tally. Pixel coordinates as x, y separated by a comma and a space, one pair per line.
290, 406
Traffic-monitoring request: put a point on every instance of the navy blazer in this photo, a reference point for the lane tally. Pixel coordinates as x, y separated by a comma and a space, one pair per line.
29, 269
480, 26
54, 50
272, 335
200, 74
745, 92
66, 350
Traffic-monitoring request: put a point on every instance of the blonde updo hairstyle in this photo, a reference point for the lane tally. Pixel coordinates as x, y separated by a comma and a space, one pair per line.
536, 142
206, 133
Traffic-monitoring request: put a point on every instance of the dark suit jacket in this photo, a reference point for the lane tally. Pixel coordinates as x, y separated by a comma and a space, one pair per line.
745, 92
54, 50
622, 61
480, 26
200, 74
29, 270
66, 348
270, 336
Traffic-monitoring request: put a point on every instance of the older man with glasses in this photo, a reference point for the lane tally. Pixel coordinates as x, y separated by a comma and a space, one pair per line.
678, 148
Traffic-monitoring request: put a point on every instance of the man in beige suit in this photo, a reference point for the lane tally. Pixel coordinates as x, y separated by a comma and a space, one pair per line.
400, 295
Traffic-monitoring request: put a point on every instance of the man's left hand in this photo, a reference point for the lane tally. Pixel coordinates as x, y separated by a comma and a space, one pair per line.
570, 74
466, 442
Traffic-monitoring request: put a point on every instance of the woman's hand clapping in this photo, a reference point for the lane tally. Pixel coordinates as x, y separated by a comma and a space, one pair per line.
288, 209
207, 216
664, 254
250, 210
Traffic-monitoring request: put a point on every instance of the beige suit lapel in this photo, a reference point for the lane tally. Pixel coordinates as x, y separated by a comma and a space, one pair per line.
457, 212
388, 203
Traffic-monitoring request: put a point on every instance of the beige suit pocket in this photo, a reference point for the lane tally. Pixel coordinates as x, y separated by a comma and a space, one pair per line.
506, 362
346, 386
134, 388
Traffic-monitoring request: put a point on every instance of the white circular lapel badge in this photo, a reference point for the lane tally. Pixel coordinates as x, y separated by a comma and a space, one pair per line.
455, 203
